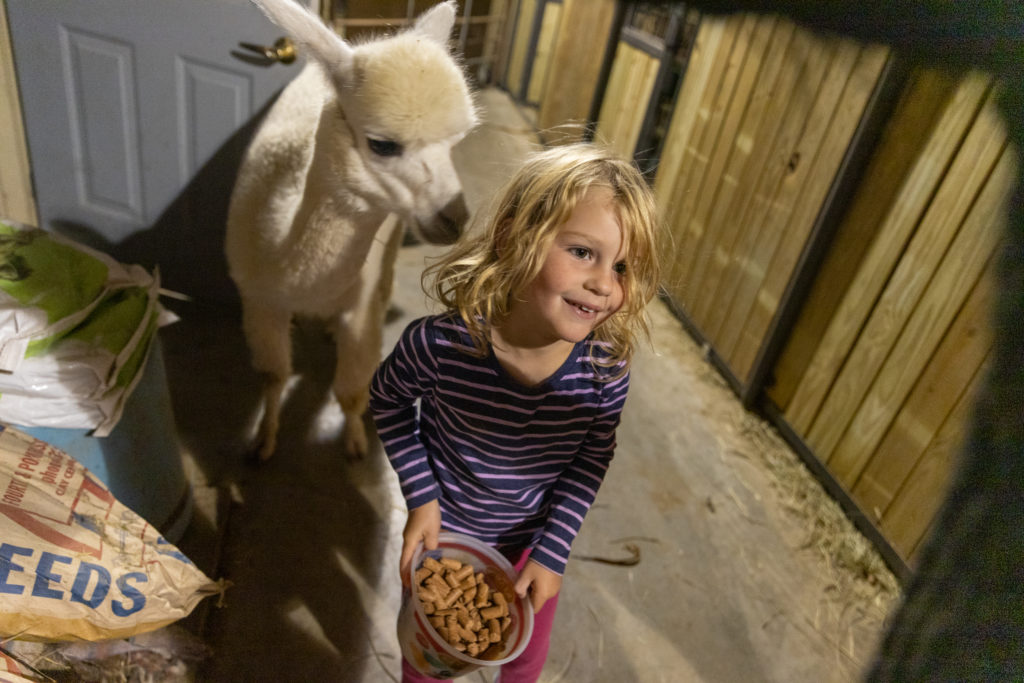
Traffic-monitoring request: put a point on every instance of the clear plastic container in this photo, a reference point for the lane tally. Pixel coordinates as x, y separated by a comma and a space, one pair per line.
424, 648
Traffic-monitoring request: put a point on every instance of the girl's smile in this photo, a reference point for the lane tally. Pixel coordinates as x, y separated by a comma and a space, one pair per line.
579, 286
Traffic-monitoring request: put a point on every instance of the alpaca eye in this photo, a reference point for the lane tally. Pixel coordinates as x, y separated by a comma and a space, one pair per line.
384, 148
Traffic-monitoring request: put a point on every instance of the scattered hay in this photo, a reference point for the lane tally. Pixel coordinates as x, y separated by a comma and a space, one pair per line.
861, 578
864, 576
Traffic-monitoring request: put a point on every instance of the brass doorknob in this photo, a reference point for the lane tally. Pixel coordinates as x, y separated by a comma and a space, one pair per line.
282, 51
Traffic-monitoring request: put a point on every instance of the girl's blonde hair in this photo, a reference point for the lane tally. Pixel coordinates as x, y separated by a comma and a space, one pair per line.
481, 274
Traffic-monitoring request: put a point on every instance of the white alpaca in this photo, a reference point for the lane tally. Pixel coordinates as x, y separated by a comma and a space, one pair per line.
362, 132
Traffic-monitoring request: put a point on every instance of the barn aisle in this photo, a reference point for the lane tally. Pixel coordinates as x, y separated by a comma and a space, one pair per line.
735, 579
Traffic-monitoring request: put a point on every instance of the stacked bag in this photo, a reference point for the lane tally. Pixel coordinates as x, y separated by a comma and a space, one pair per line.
76, 329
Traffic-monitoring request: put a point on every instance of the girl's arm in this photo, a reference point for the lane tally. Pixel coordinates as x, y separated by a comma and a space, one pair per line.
575, 490
423, 524
400, 380
541, 583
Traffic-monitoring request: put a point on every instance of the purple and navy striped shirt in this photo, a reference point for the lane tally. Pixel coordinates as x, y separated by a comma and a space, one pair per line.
511, 465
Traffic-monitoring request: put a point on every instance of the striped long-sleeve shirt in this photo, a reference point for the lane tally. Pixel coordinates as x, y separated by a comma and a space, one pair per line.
514, 466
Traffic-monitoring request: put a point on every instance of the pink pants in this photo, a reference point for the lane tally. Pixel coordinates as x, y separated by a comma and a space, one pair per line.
526, 667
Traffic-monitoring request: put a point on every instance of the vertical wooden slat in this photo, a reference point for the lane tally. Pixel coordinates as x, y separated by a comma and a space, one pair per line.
912, 124
954, 278
775, 197
515, 77
624, 107
728, 156
521, 45
917, 190
946, 212
681, 194
949, 371
798, 200
794, 95
583, 36
542, 55
689, 226
695, 81
915, 506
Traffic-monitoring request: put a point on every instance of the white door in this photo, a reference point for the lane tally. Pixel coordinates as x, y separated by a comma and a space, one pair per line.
136, 114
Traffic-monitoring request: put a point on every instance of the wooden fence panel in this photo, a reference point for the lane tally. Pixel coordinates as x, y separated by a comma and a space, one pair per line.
878, 374
17, 202
773, 98
629, 89
902, 291
797, 202
912, 512
701, 233
955, 276
700, 141
577, 58
542, 55
800, 87
913, 123
514, 78
893, 234
670, 177
950, 370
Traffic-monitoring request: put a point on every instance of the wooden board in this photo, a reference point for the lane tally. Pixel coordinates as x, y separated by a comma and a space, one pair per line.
542, 55
684, 142
515, 76
946, 212
572, 83
686, 231
962, 351
800, 195
684, 114
903, 141
727, 155
626, 99
955, 276
17, 201
794, 95
915, 193
915, 506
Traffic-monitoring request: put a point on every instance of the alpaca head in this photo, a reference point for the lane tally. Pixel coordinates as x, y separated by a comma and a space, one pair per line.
404, 103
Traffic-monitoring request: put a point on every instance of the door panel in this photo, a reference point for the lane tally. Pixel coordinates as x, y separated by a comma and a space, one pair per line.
136, 115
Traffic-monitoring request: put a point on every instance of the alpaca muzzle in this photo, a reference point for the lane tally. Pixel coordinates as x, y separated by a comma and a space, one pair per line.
447, 224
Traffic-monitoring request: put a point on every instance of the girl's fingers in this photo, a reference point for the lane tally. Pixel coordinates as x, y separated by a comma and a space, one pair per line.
430, 539
522, 585
405, 561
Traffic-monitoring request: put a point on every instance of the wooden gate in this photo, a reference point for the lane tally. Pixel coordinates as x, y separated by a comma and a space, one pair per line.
863, 340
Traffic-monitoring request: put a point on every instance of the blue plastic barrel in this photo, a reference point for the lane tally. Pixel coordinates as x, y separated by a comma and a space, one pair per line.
140, 461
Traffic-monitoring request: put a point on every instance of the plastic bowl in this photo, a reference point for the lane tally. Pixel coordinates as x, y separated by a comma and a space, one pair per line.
423, 647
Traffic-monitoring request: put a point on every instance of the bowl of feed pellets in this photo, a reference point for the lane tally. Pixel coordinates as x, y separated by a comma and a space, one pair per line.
460, 612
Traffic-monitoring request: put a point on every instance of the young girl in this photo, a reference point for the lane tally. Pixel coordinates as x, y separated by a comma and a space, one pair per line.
522, 381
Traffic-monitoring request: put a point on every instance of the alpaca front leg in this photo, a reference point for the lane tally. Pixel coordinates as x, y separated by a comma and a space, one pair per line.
268, 333
357, 358
359, 334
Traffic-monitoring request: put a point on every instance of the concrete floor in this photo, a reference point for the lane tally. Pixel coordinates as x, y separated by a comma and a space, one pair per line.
310, 540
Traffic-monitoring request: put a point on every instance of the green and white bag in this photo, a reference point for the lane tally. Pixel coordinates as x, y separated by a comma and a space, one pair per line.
76, 328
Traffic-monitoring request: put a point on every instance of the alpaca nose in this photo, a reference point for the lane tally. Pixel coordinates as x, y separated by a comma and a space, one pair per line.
447, 224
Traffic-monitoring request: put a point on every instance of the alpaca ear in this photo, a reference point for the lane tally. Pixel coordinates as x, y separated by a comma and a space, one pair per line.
436, 23
306, 29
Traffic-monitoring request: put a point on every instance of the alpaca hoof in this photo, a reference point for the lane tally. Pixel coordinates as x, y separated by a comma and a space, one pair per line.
261, 451
354, 441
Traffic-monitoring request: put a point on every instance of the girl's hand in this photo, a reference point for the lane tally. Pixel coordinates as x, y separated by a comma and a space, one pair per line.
541, 583
423, 524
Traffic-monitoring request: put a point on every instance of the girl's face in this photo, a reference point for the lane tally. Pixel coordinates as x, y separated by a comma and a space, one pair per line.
579, 286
